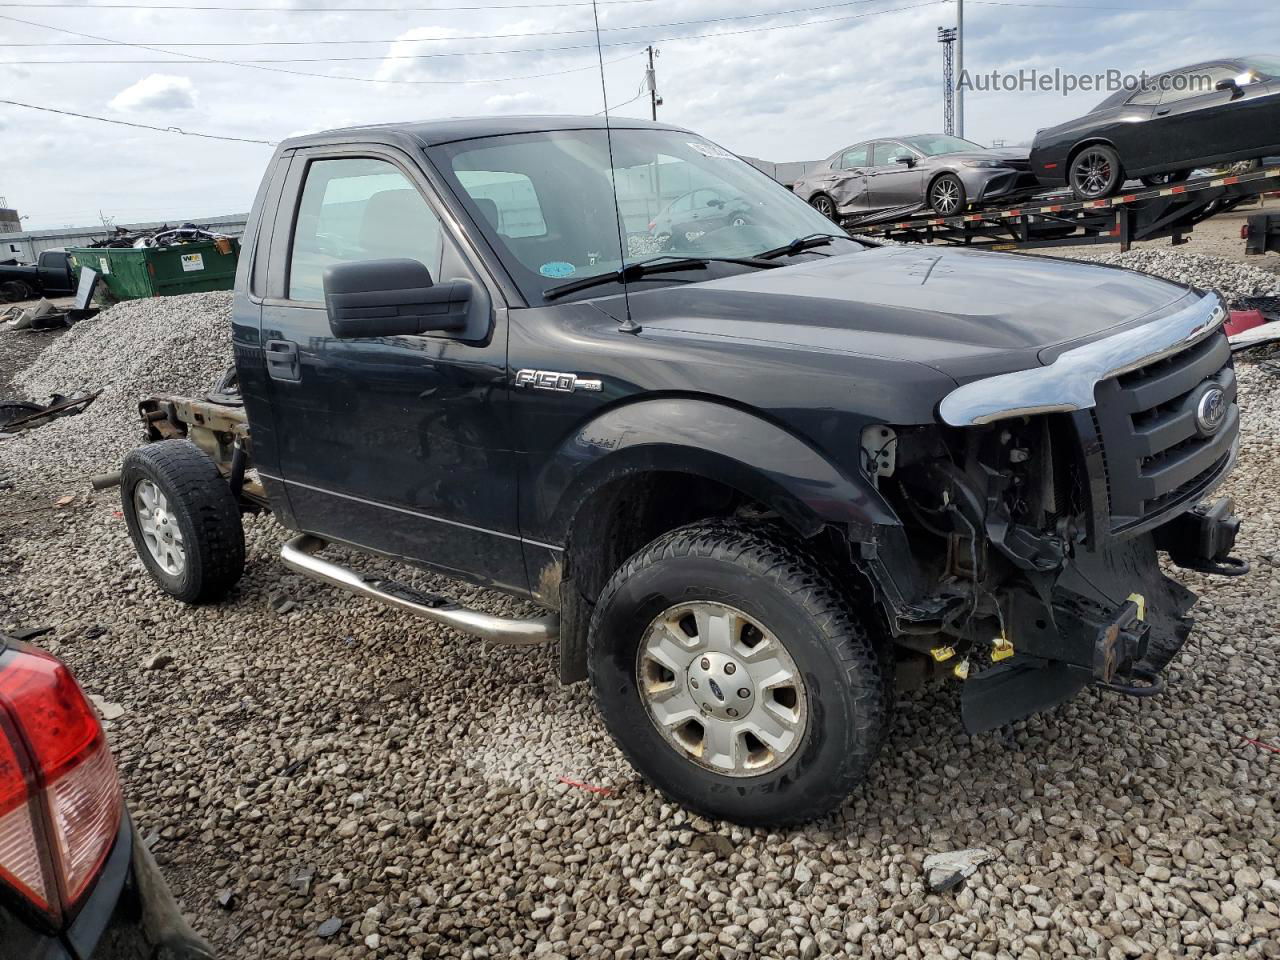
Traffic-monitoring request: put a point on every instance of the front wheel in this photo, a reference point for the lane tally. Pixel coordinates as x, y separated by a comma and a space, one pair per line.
946, 195
1095, 172
736, 677
183, 520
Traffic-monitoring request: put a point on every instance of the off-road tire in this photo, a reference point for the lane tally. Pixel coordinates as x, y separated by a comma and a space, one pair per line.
771, 576
206, 512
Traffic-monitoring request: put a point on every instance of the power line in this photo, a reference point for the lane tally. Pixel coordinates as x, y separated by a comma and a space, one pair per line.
141, 126
191, 58
185, 7
1128, 9
840, 4
261, 64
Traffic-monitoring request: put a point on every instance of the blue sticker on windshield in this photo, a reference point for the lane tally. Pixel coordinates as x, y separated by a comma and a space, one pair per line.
557, 268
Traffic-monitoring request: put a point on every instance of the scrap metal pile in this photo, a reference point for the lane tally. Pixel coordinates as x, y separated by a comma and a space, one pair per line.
163, 236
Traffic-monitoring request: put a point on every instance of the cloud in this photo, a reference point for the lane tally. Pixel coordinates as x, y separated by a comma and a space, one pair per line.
159, 91
522, 102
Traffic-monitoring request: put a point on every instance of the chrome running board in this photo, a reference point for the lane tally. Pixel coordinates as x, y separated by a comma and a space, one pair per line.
300, 554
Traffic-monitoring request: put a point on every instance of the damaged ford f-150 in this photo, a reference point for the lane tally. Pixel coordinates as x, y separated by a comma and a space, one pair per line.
758, 477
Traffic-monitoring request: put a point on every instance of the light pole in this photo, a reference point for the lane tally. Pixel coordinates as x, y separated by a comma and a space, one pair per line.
960, 67
947, 37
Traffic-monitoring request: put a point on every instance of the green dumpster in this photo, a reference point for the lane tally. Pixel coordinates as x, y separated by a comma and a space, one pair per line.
130, 273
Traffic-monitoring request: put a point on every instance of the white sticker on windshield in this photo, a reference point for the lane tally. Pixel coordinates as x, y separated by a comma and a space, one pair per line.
711, 150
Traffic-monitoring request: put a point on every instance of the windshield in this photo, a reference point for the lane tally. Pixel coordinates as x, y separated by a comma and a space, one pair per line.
937, 144
546, 202
1266, 65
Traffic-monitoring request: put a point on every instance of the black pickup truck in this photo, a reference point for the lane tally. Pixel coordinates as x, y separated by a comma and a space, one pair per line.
50, 276
758, 475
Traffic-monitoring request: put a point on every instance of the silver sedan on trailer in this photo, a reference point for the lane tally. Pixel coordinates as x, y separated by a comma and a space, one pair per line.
930, 171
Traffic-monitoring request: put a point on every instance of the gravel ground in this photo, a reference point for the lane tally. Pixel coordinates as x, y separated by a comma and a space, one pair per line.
365, 785
1242, 283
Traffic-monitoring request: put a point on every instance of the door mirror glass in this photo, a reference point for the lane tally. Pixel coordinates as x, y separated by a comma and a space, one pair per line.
390, 298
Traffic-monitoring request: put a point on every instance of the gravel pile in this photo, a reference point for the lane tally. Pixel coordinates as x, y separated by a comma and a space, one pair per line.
322, 777
130, 351
1238, 282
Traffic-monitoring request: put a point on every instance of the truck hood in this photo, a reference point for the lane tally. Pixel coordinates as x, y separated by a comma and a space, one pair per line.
967, 314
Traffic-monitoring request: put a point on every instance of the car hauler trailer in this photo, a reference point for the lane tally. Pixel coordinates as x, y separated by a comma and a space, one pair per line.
1147, 214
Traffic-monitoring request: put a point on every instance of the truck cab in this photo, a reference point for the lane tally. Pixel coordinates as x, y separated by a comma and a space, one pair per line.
757, 476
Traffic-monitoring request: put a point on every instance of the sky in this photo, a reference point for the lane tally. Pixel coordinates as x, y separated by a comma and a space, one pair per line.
767, 78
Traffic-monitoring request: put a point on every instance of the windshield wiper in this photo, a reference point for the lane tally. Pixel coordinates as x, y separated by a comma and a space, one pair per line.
644, 268
800, 244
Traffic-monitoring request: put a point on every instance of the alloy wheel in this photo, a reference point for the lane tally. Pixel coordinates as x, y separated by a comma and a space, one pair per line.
1093, 174
946, 197
159, 528
721, 689
824, 206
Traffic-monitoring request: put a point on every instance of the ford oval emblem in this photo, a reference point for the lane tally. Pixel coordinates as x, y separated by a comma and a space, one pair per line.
1211, 410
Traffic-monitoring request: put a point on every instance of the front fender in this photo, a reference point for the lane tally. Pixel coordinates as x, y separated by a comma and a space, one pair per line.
736, 447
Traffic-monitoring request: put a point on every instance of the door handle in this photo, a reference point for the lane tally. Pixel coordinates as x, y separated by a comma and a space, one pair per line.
1161, 112
282, 360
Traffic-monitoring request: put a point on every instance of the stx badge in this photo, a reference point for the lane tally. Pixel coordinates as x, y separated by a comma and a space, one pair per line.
555, 380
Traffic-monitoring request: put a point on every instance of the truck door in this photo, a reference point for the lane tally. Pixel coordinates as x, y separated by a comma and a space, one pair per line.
398, 444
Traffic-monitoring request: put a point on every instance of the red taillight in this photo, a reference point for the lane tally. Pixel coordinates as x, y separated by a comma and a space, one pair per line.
653, 225
60, 803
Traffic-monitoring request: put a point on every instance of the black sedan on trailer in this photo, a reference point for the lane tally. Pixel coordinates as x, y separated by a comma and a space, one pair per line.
905, 174
1218, 112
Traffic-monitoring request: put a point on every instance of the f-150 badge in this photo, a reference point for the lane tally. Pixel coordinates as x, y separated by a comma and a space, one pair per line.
555, 380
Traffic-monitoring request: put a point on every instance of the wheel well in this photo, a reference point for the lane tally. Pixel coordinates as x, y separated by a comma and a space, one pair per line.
626, 514
938, 176
1092, 141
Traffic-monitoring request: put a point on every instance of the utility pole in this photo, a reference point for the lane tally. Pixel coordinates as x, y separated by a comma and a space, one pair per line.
960, 67
651, 80
947, 37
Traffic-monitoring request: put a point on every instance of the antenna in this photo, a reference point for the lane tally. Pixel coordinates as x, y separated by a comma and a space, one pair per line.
629, 326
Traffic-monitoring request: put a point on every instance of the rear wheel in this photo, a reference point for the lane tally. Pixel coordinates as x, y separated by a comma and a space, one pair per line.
736, 677
13, 291
947, 196
1095, 172
183, 520
824, 205
1165, 179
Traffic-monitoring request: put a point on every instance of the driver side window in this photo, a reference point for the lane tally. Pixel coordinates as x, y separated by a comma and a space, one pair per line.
358, 209
885, 153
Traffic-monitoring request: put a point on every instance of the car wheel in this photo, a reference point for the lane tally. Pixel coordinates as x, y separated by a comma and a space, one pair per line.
1095, 172
1165, 179
946, 195
738, 220
824, 205
15, 291
183, 520
736, 677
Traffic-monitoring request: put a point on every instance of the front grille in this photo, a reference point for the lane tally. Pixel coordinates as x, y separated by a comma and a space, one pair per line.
1156, 458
